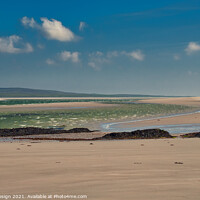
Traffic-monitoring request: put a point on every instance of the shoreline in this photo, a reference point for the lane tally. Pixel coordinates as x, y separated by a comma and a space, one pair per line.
165, 120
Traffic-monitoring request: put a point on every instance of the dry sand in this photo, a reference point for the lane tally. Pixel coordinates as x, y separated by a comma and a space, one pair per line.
63, 105
126, 169
192, 101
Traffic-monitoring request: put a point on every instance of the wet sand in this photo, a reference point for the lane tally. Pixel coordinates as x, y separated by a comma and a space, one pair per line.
173, 120
49, 106
126, 169
85, 135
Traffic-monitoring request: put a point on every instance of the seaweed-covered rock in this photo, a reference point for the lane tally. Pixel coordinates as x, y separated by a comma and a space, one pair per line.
37, 131
191, 135
138, 134
78, 130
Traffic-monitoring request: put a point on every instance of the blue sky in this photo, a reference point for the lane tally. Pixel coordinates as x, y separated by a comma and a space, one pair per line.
129, 46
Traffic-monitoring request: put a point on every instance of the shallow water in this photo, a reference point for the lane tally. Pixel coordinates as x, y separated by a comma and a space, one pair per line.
173, 129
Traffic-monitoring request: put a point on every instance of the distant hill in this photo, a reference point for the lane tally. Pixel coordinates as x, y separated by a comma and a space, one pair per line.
25, 92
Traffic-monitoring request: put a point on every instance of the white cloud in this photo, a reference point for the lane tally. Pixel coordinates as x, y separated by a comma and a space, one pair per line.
192, 47
29, 22
52, 29
93, 65
50, 61
137, 55
97, 59
67, 55
8, 45
82, 26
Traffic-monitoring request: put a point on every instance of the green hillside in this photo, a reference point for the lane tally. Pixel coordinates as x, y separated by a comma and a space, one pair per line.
25, 92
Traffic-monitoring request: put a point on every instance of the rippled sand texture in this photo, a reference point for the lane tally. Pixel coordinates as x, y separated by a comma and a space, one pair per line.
128, 169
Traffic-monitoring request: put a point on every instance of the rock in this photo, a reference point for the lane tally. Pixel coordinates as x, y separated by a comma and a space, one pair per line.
37, 131
78, 130
26, 131
138, 134
191, 135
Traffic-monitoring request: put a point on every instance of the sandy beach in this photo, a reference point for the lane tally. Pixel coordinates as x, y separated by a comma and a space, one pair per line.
151, 169
191, 101
44, 106
126, 169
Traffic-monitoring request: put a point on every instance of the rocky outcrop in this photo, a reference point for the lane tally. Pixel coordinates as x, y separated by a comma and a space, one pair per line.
139, 134
78, 130
37, 131
191, 135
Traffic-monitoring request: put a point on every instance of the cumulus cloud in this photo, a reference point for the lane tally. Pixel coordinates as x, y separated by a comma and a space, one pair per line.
52, 29
67, 55
82, 26
192, 48
14, 44
29, 22
136, 55
50, 61
56, 31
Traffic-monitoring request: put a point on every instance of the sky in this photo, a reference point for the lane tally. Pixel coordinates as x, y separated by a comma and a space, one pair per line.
101, 46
